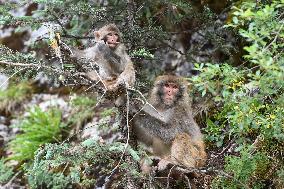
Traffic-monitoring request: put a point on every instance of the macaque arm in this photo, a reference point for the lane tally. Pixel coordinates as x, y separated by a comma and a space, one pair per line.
155, 114
127, 76
92, 52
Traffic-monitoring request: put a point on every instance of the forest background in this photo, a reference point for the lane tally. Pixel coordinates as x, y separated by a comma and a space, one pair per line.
57, 132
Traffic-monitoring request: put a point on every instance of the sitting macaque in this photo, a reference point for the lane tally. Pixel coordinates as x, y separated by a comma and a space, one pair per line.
168, 126
109, 54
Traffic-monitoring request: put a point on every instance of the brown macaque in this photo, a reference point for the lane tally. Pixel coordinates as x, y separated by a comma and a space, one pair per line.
168, 125
109, 54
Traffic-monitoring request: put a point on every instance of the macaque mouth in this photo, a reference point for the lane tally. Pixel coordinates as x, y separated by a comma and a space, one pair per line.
170, 98
112, 43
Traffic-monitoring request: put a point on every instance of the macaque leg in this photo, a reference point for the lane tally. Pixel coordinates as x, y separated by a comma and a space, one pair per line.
202, 156
183, 152
120, 100
108, 83
145, 166
162, 150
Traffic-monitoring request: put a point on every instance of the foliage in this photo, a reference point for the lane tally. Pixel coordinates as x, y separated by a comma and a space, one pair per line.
248, 99
279, 180
14, 95
83, 101
37, 128
251, 97
142, 52
257, 105
5, 172
9, 56
83, 109
83, 165
249, 166
219, 80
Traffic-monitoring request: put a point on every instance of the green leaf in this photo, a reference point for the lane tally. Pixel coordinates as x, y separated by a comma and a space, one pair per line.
89, 142
235, 20
203, 93
134, 154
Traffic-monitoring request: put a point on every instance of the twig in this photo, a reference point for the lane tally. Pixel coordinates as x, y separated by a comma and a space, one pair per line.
208, 170
188, 182
68, 48
18, 64
92, 86
28, 65
11, 77
171, 47
145, 101
231, 177
225, 149
6, 186
127, 140
65, 167
100, 79
131, 12
168, 177
81, 130
275, 38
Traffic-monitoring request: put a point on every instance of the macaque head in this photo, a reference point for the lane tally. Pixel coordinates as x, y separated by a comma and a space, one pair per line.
112, 39
168, 90
110, 34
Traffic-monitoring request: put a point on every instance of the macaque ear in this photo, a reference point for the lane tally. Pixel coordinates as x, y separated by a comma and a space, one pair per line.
97, 35
189, 85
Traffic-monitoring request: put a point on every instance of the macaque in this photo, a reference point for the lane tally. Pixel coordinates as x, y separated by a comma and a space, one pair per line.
168, 126
109, 54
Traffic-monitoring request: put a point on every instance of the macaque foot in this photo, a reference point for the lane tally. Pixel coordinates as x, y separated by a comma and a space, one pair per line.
92, 75
162, 165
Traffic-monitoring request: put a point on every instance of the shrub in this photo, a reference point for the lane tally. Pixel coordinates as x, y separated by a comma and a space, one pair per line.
37, 128
14, 95
5, 172
82, 165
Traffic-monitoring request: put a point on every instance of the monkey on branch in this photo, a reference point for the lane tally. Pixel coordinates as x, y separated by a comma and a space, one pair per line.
109, 54
166, 125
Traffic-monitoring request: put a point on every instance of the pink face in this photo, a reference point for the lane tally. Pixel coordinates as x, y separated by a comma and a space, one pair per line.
170, 93
112, 39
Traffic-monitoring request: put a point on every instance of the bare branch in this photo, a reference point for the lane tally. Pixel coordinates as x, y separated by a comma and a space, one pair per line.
11, 77
11, 180
145, 102
38, 66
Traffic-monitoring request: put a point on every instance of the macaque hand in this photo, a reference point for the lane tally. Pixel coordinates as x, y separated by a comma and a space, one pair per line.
163, 164
102, 47
121, 82
114, 87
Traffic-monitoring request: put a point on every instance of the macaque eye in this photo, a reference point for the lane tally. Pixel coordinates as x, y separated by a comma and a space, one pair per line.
175, 86
167, 85
110, 34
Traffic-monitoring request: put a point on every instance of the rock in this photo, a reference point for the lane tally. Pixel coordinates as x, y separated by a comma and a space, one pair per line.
46, 101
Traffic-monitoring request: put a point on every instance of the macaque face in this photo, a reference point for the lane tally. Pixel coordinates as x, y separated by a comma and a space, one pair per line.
170, 91
112, 39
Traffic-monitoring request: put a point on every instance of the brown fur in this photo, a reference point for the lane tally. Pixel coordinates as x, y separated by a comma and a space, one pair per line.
171, 130
114, 64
